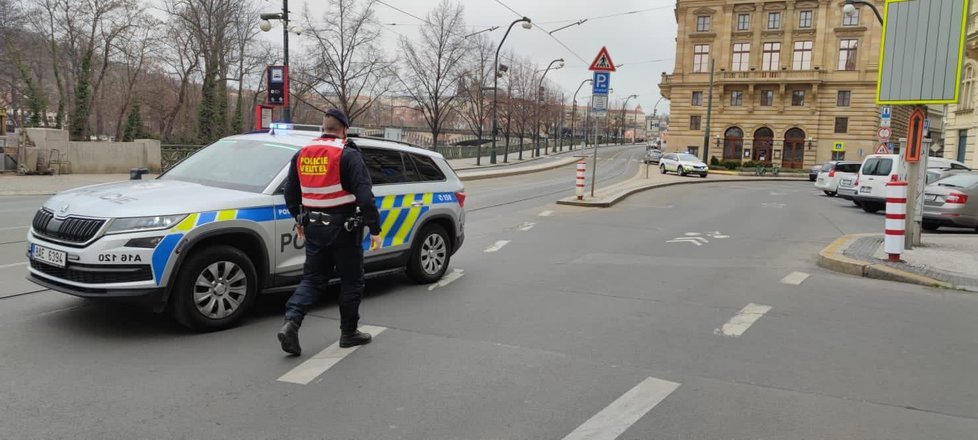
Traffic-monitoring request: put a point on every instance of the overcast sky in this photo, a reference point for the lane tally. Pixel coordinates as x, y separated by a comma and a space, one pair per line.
643, 42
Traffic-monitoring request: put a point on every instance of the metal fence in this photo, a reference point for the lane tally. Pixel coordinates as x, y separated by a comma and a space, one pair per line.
173, 154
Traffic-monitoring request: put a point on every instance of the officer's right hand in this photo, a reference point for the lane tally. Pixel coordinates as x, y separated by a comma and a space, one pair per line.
300, 231
375, 242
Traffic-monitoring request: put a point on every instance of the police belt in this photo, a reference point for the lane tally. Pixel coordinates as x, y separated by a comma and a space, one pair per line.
350, 221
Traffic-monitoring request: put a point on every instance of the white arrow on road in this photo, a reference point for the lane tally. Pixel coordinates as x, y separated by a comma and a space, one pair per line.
699, 241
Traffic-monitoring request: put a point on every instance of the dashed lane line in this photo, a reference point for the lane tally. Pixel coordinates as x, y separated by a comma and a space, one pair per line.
526, 226
742, 320
324, 360
497, 246
447, 279
546, 213
617, 417
5, 266
795, 278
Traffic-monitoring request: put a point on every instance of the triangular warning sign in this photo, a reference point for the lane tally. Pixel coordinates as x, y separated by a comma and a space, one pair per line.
882, 149
603, 62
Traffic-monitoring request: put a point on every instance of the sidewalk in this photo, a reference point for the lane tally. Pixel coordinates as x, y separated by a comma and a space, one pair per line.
41, 185
944, 260
605, 197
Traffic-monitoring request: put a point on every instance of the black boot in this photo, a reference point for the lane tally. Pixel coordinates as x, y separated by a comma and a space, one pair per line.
289, 337
354, 337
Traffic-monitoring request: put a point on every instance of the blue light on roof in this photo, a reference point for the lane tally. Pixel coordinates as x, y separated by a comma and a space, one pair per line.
281, 126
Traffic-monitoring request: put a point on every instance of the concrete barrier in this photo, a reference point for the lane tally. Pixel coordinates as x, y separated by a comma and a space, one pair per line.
92, 157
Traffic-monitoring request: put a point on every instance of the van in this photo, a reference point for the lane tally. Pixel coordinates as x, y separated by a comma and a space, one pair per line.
876, 171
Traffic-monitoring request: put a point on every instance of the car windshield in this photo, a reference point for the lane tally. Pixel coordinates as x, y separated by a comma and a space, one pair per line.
688, 157
246, 165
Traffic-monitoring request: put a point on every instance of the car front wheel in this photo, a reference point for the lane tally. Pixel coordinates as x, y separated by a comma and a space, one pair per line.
214, 288
662, 169
430, 255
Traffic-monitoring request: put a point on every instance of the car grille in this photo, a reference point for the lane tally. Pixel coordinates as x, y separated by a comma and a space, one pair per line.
71, 230
101, 274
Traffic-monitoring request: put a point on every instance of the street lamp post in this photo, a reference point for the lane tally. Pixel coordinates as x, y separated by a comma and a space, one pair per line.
849, 8
495, 82
536, 128
621, 139
266, 26
574, 111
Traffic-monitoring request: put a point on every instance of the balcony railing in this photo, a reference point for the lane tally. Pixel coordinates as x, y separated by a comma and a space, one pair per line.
771, 75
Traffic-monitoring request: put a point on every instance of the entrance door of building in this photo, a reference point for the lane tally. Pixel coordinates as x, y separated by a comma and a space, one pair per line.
794, 149
763, 145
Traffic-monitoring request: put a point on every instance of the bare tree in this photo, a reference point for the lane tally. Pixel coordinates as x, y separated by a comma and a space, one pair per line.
525, 92
134, 47
476, 105
180, 63
350, 71
431, 66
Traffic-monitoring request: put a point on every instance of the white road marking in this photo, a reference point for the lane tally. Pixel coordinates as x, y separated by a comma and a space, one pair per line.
9, 228
546, 213
692, 234
324, 360
5, 266
795, 278
447, 279
742, 320
773, 205
526, 226
616, 418
499, 245
699, 241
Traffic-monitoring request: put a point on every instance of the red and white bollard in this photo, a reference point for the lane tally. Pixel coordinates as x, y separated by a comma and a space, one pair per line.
896, 218
581, 169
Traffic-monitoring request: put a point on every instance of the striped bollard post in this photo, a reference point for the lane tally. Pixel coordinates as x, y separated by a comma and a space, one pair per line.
896, 218
581, 169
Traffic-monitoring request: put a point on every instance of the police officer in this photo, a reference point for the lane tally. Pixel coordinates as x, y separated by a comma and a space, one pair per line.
327, 184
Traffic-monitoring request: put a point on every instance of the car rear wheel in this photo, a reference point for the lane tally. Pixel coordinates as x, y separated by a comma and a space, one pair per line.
856, 202
703, 175
214, 289
829, 193
930, 226
662, 169
430, 255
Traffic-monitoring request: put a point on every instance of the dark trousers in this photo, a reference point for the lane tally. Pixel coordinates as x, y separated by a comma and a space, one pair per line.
330, 247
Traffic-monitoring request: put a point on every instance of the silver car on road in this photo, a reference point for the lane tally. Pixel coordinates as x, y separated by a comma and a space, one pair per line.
682, 164
206, 237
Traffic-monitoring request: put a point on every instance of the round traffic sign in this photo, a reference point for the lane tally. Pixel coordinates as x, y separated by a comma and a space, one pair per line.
884, 133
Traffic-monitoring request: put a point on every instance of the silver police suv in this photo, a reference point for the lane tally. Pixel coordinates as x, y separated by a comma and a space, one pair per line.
206, 237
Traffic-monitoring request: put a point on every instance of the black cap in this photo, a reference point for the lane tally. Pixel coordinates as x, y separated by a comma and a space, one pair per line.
338, 114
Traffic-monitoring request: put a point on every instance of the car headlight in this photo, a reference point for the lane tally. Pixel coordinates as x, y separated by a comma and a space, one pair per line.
133, 224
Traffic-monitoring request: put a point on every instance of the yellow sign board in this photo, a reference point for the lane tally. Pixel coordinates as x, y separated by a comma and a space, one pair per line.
839, 147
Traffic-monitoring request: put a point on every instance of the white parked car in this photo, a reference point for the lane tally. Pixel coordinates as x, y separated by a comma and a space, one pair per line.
877, 169
682, 164
835, 173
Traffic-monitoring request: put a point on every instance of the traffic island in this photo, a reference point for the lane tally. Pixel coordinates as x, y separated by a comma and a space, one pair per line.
944, 261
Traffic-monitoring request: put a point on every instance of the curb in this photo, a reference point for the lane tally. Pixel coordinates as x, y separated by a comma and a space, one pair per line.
522, 170
832, 258
609, 201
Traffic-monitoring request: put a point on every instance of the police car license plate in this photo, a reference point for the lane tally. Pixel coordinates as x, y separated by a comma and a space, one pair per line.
49, 256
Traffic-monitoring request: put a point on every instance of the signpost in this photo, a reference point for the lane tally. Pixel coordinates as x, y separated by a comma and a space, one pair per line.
602, 66
920, 64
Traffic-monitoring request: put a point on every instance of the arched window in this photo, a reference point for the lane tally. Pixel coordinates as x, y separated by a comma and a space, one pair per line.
763, 145
733, 143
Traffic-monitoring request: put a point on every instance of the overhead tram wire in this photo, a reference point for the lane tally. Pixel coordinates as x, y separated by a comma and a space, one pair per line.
405, 12
546, 32
601, 17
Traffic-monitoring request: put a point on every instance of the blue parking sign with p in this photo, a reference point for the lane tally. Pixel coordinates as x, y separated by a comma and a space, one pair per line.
600, 83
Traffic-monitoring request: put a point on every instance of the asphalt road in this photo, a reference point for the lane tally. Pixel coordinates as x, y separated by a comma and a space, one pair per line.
690, 312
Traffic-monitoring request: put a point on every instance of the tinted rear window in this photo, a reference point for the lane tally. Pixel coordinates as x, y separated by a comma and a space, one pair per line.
847, 167
876, 166
429, 170
385, 166
827, 167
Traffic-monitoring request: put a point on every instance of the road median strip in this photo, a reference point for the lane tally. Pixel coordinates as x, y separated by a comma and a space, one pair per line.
832, 258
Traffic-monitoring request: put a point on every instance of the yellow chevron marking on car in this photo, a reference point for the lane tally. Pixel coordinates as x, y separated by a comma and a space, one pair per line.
227, 214
401, 216
187, 224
